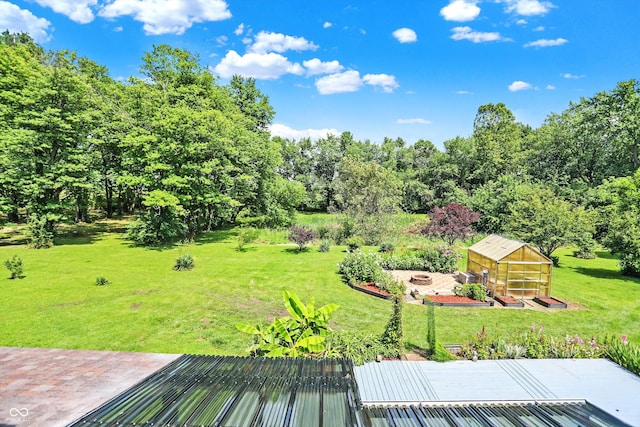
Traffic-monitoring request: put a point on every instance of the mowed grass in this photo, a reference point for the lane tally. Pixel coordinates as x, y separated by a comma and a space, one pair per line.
149, 307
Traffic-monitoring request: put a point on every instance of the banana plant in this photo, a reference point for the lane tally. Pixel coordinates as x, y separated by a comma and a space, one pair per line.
301, 334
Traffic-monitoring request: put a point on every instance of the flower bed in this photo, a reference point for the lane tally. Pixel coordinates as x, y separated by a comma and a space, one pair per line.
456, 301
550, 302
508, 301
371, 289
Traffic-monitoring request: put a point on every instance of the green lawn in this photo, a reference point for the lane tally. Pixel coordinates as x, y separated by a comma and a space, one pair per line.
150, 307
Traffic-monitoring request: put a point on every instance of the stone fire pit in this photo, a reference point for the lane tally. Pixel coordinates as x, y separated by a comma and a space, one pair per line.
421, 279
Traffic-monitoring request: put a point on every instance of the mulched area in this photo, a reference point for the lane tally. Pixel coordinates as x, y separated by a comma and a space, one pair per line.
457, 301
53, 387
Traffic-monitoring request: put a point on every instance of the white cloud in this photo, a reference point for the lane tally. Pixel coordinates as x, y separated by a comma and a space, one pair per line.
77, 10
405, 35
539, 28
385, 81
528, 7
550, 87
167, 17
284, 131
466, 33
264, 66
519, 85
315, 66
277, 42
222, 40
547, 42
239, 30
460, 11
119, 29
571, 76
17, 20
521, 22
349, 81
413, 121
327, 24
464, 92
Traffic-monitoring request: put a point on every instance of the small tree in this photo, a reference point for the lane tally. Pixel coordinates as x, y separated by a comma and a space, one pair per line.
431, 329
451, 222
392, 336
14, 265
301, 236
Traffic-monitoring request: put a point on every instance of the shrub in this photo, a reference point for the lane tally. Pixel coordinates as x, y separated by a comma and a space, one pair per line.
346, 229
555, 259
387, 247
474, 291
361, 347
301, 235
102, 281
392, 336
403, 262
387, 282
360, 267
585, 253
354, 243
246, 235
184, 262
155, 230
324, 246
624, 353
323, 232
39, 232
441, 259
14, 265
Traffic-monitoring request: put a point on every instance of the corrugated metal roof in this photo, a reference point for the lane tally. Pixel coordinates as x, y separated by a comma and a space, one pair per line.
496, 415
234, 391
496, 247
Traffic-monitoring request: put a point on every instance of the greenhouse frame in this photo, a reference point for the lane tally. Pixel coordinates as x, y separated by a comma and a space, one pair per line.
510, 268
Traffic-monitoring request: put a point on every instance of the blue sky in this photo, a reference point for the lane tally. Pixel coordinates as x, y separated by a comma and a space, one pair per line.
409, 69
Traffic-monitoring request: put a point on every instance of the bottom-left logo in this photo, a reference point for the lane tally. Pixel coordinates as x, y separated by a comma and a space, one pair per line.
16, 412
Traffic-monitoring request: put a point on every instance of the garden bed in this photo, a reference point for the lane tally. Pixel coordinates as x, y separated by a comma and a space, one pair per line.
550, 302
456, 301
508, 301
371, 289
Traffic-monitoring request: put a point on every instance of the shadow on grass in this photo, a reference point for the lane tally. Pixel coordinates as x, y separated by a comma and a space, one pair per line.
605, 255
603, 273
215, 236
87, 233
296, 250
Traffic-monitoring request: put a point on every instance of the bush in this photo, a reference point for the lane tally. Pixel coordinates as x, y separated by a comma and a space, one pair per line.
14, 265
392, 336
387, 282
102, 281
474, 291
301, 235
246, 235
323, 232
403, 262
624, 353
354, 243
184, 262
39, 232
324, 246
346, 229
361, 347
360, 267
441, 259
585, 253
387, 247
155, 230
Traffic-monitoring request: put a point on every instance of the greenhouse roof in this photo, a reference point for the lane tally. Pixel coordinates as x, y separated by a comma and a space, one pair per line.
496, 247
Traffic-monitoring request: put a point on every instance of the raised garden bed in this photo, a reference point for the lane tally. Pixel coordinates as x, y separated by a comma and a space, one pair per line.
550, 302
456, 301
508, 301
421, 279
371, 289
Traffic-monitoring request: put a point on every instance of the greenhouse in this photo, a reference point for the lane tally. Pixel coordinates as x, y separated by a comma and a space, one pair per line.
510, 268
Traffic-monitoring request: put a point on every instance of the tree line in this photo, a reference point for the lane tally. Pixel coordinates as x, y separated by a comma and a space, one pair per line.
188, 154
